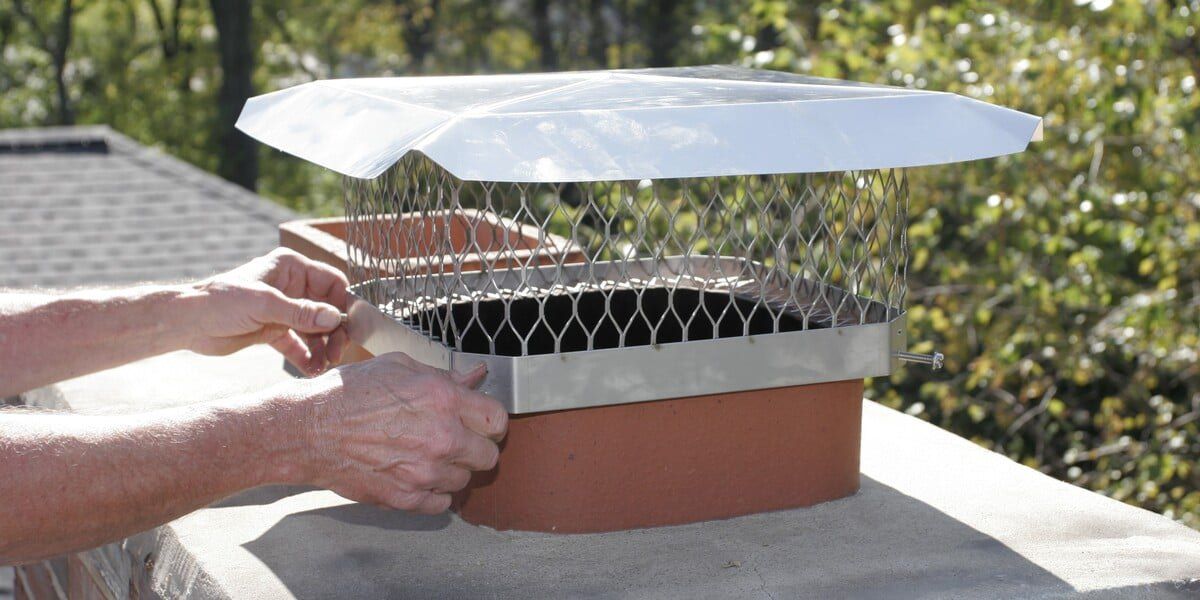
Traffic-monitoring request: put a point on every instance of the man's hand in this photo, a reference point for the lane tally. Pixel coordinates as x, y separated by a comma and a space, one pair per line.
388, 431
282, 299
394, 432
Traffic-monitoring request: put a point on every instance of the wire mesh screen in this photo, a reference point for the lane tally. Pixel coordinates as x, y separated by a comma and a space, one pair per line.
518, 269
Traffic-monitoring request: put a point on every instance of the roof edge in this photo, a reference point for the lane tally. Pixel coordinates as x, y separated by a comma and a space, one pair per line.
57, 134
191, 174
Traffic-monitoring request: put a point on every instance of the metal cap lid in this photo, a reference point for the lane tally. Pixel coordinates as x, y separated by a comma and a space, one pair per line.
630, 124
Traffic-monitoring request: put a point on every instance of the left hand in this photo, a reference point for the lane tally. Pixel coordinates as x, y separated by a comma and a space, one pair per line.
390, 431
283, 299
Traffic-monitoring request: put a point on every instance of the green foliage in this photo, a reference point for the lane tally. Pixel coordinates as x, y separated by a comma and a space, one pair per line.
1063, 284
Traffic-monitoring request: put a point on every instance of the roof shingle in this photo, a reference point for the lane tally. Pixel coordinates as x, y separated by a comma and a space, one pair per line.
89, 206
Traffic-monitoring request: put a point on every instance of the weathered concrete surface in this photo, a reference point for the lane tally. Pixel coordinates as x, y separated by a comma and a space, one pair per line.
937, 516
6, 583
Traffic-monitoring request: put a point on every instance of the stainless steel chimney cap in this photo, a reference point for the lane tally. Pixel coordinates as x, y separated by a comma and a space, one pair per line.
629, 124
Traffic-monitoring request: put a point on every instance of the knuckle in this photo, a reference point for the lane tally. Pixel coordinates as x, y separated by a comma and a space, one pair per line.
498, 421
398, 362
444, 443
304, 313
492, 457
444, 393
438, 397
458, 480
399, 357
283, 253
406, 499
425, 477
264, 299
437, 504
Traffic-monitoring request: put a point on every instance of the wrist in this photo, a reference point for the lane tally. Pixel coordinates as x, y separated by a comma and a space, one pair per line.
156, 318
182, 313
284, 428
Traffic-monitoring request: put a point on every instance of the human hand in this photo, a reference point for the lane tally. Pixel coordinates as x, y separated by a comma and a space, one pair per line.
393, 432
283, 299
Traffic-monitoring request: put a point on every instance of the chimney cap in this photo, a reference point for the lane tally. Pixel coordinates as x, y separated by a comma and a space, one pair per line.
630, 124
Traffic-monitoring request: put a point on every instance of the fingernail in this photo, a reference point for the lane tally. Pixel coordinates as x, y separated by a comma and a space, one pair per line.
478, 368
329, 317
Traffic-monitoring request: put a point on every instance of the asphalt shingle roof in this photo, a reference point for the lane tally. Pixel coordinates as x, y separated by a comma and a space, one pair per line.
89, 206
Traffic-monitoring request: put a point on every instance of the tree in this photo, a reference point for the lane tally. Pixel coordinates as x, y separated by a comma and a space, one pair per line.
598, 41
543, 34
168, 28
664, 28
237, 153
56, 42
419, 21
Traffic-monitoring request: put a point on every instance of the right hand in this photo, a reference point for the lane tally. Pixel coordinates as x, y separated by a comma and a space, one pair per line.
394, 432
283, 299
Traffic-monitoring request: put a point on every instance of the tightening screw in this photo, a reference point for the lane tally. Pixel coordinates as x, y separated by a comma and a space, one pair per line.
934, 360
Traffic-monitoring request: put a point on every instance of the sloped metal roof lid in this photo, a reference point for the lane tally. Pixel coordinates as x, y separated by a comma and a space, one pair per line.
630, 124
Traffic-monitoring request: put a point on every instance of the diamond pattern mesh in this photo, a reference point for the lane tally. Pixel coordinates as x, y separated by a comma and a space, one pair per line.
518, 269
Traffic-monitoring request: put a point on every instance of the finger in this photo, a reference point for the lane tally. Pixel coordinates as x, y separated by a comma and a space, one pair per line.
483, 414
229, 345
404, 498
322, 282
305, 316
421, 367
452, 479
399, 358
433, 504
335, 346
414, 364
473, 377
326, 284
317, 349
294, 350
478, 454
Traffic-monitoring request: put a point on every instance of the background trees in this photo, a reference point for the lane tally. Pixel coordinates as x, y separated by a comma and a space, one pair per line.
1062, 284
237, 160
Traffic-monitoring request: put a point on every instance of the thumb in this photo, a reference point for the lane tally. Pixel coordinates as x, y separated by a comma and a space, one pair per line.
471, 378
300, 314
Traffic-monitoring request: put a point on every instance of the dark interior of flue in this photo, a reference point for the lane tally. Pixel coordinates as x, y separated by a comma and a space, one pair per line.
605, 314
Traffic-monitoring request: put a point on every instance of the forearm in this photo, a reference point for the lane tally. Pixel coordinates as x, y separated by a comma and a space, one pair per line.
44, 339
69, 482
